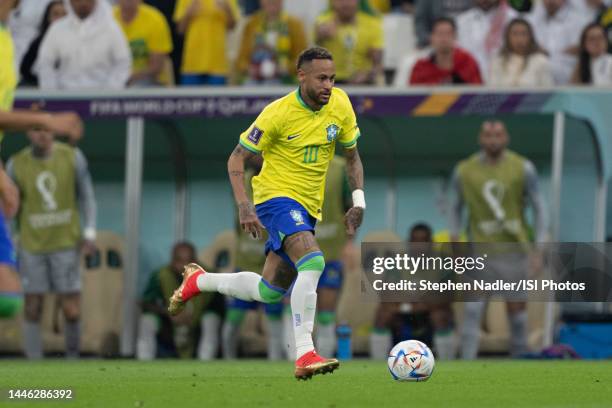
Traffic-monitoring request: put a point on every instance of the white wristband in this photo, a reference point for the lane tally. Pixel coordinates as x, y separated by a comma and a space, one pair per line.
89, 234
359, 199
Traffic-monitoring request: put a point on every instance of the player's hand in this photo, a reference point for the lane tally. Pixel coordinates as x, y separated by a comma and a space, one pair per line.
249, 221
65, 124
352, 220
9, 194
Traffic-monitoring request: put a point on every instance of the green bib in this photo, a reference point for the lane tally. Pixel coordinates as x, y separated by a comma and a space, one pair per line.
331, 233
494, 195
49, 217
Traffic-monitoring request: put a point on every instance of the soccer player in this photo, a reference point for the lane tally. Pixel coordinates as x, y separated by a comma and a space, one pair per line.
297, 136
496, 185
62, 123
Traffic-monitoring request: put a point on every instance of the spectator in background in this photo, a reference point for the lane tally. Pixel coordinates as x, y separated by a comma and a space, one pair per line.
24, 24
447, 63
557, 28
271, 42
148, 35
355, 39
605, 20
54, 184
84, 50
594, 61
54, 11
307, 12
480, 30
428, 11
205, 24
201, 319
521, 62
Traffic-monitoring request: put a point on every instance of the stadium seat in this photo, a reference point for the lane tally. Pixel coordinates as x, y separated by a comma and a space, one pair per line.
400, 39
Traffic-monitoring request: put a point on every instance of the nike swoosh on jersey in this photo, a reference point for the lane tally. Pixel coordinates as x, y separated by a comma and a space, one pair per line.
292, 137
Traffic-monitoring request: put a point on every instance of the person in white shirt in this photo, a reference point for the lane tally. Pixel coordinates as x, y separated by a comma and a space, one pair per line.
521, 61
480, 30
24, 23
84, 50
595, 63
557, 26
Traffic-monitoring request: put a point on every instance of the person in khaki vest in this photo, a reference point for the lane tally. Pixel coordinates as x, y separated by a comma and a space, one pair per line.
496, 185
54, 187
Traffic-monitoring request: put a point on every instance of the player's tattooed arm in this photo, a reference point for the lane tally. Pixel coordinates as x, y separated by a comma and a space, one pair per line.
246, 210
354, 169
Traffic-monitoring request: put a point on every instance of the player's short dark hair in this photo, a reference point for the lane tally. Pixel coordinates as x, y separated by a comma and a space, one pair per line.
444, 20
421, 226
184, 245
313, 53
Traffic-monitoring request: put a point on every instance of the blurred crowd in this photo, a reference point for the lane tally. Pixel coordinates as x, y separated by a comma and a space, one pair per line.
112, 44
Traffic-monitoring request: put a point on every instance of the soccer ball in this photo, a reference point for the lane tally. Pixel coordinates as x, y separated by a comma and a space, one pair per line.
411, 360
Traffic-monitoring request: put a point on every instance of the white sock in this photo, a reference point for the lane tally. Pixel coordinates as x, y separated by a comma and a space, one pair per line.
303, 308
326, 339
209, 337
380, 344
242, 285
288, 339
275, 339
230, 340
445, 343
146, 345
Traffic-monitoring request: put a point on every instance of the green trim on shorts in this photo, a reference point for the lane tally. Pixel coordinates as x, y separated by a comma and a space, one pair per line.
326, 318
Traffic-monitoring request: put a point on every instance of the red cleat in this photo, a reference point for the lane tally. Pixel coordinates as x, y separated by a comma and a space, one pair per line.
312, 364
187, 290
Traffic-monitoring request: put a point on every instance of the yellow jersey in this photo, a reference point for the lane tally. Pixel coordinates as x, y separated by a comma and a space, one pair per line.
205, 44
352, 43
8, 75
148, 33
297, 145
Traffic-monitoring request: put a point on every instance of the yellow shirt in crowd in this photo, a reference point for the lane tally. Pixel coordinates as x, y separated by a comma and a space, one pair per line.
204, 48
148, 33
8, 76
352, 44
297, 144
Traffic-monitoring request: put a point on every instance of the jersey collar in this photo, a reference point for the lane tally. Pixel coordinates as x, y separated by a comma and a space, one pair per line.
305, 105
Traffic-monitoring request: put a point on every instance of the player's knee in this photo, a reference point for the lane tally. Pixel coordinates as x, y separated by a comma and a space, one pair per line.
270, 293
33, 310
313, 261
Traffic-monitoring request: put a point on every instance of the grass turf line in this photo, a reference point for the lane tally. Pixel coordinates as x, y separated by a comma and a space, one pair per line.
248, 383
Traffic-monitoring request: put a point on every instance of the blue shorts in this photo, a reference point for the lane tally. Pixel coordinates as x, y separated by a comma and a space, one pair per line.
332, 275
269, 308
7, 251
202, 79
283, 217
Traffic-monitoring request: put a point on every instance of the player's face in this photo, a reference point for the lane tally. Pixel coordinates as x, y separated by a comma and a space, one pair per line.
182, 256
130, 4
443, 37
41, 139
317, 78
493, 138
420, 235
83, 8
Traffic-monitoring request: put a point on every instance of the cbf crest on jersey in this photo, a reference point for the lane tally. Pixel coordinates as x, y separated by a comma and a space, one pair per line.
332, 132
297, 217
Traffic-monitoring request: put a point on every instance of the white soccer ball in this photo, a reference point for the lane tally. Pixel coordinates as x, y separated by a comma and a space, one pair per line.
411, 360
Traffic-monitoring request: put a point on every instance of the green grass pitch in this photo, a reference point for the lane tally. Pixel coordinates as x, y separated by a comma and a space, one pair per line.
358, 383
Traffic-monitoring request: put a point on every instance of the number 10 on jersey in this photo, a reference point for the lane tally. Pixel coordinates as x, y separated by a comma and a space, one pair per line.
311, 154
